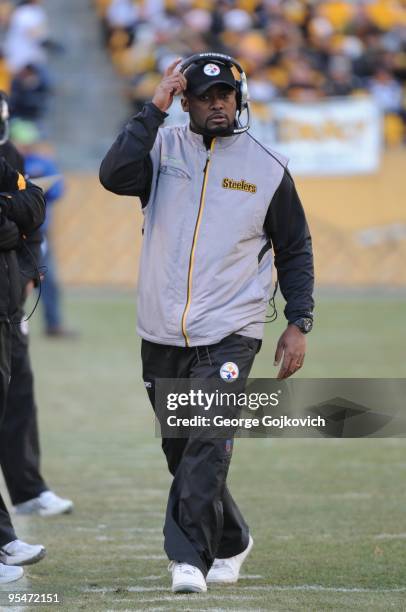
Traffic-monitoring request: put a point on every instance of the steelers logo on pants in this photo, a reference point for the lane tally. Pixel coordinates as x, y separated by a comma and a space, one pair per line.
229, 371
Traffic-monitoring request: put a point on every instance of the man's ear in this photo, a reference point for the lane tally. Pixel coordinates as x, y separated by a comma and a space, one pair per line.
185, 104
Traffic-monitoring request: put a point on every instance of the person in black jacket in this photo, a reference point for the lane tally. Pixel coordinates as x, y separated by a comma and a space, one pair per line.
19, 438
22, 210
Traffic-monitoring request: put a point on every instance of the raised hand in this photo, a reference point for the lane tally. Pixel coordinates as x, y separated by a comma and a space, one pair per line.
172, 84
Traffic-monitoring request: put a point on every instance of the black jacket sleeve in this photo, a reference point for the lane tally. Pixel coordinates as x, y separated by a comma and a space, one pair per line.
286, 226
29, 257
9, 235
20, 200
29, 251
127, 167
25, 207
12, 156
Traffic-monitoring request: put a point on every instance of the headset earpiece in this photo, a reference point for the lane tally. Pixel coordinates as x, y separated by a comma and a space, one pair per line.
4, 118
243, 92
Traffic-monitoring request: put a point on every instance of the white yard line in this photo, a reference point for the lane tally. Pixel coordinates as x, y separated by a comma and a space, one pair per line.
223, 609
144, 530
150, 557
148, 530
327, 536
269, 588
319, 588
90, 529
390, 536
211, 609
169, 597
203, 596
349, 495
250, 577
136, 547
129, 589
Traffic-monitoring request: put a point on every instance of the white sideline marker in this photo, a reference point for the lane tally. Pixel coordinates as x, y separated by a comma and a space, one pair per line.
319, 588
152, 577
391, 536
134, 547
250, 577
150, 557
203, 596
145, 529
302, 587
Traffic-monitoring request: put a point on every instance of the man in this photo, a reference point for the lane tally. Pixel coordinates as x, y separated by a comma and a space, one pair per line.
214, 199
22, 210
19, 438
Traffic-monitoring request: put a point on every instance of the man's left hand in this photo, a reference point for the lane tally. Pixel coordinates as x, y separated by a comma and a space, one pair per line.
292, 346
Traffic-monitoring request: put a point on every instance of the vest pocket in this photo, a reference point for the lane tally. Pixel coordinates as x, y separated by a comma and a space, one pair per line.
174, 171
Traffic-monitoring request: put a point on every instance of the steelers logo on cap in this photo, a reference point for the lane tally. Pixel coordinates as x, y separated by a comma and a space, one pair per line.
211, 70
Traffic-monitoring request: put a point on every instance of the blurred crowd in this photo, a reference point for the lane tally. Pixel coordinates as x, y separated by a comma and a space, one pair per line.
24, 45
300, 50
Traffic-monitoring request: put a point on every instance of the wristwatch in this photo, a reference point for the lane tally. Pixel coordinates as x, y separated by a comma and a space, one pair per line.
305, 324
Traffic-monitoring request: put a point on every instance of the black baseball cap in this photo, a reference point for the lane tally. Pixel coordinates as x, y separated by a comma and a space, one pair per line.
203, 75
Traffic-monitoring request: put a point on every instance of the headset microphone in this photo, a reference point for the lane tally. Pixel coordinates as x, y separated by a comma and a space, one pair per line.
241, 84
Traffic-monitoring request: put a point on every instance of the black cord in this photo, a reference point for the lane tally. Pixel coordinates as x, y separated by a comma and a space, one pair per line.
286, 169
274, 314
37, 275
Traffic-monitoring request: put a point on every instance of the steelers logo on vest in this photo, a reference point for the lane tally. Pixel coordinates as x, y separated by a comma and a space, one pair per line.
229, 371
241, 185
211, 70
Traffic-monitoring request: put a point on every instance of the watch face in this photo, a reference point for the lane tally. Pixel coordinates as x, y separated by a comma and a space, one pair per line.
307, 324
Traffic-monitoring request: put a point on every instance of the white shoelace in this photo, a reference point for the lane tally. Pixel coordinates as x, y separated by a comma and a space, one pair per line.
183, 567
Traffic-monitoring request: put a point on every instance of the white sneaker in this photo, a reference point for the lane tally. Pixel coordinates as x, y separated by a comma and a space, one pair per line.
9, 574
21, 553
228, 570
186, 578
46, 504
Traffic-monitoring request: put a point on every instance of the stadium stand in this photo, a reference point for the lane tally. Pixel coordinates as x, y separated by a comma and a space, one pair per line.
301, 50
24, 73
291, 50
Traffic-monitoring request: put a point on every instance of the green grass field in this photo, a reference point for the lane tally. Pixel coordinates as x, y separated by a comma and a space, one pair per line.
327, 516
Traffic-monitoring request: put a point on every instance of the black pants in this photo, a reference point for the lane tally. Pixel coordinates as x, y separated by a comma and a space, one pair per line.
19, 441
202, 519
7, 533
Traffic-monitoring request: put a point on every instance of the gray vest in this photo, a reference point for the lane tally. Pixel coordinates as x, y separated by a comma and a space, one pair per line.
200, 279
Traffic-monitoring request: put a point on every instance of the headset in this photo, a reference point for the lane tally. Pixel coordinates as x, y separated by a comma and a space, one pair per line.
242, 85
4, 118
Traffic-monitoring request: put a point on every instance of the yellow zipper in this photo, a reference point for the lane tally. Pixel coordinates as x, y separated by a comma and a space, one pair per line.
195, 235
